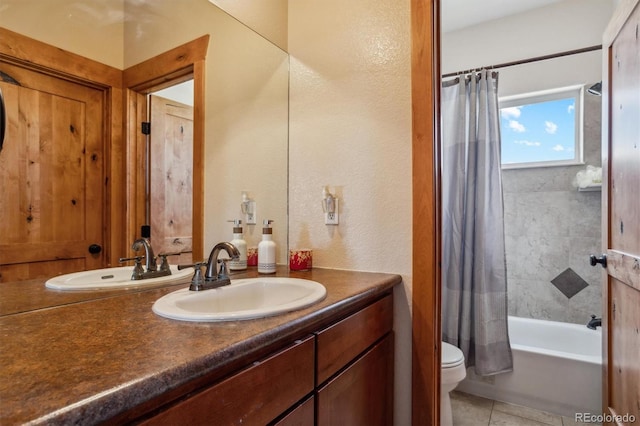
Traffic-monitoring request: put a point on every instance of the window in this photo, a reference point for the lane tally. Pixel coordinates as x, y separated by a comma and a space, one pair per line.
542, 129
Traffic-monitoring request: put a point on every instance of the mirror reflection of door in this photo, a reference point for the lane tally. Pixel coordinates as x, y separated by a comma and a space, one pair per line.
171, 173
51, 176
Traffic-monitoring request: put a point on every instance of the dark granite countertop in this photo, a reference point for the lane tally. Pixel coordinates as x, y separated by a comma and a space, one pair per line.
87, 357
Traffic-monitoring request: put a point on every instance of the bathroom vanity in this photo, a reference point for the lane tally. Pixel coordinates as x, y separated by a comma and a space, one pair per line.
108, 357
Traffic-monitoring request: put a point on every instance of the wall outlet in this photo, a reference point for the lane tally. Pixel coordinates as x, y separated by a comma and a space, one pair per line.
250, 214
332, 218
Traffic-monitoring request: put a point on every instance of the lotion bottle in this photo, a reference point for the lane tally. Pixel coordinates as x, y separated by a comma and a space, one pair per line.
238, 241
267, 250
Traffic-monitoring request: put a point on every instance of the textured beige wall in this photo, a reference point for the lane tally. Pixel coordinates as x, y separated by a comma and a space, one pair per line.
90, 29
350, 129
246, 110
267, 17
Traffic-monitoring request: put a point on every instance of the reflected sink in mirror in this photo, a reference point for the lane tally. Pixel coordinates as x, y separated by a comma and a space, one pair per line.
241, 300
110, 279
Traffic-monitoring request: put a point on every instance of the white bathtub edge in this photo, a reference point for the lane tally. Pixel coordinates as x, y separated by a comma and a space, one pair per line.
546, 376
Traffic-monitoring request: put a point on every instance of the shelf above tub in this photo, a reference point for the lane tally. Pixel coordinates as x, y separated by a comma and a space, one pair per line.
591, 188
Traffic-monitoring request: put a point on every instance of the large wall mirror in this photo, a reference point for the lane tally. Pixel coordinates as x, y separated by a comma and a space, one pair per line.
246, 91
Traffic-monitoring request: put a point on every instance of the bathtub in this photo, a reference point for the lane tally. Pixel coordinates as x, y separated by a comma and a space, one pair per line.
557, 368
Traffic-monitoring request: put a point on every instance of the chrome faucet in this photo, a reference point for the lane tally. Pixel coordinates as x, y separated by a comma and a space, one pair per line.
214, 277
594, 322
213, 274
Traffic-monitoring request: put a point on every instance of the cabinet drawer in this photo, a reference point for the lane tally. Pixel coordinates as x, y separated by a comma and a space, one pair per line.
256, 395
340, 343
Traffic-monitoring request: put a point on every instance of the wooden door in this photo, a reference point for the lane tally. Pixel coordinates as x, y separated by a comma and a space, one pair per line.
51, 176
621, 216
171, 197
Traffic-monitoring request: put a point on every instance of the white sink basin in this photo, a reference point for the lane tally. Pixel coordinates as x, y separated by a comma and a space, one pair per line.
111, 278
243, 299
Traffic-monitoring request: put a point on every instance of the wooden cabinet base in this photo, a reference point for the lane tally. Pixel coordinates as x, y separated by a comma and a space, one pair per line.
340, 375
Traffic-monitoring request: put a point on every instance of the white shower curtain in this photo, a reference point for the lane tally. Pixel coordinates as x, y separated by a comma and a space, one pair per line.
474, 290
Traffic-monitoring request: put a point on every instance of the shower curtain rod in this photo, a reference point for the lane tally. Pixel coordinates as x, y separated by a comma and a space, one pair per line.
529, 60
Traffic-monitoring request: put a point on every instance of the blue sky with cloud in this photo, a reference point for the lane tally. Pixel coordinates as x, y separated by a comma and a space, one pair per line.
543, 131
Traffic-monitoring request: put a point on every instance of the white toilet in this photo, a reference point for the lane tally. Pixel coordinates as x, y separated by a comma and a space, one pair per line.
453, 372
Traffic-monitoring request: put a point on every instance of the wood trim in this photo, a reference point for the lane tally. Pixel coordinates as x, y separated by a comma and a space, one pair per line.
41, 57
606, 212
425, 88
199, 114
163, 70
115, 166
136, 152
176, 65
624, 267
53, 60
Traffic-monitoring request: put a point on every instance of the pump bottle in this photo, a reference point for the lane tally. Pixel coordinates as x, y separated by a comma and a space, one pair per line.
238, 241
267, 250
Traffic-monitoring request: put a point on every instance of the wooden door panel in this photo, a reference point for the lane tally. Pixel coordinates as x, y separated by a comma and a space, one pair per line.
171, 177
32, 270
624, 329
51, 172
624, 228
621, 218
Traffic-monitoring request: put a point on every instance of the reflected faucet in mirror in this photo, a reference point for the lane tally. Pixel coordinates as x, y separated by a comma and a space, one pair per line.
150, 258
150, 269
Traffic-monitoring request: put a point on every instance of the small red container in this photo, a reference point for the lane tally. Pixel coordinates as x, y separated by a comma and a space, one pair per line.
252, 256
301, 259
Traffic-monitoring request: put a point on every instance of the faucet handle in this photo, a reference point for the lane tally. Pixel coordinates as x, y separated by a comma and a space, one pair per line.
138, 270
177, 253
164, 266
137, 259
195, 265
224, 267
197, 281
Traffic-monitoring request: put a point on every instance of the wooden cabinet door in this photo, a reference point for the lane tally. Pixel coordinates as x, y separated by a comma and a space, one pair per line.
51, 176
303, 415
621, 216
363, 393
345, 340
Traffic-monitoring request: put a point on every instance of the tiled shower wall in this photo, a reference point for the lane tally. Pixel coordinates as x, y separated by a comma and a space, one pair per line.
550, 227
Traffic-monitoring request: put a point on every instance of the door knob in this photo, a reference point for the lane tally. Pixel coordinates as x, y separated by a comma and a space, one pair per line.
602, 260
95, 248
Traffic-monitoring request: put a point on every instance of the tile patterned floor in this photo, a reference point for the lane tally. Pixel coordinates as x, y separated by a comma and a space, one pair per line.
471, 410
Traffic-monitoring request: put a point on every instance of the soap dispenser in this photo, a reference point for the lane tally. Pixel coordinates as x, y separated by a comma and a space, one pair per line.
267, 250
239, 264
